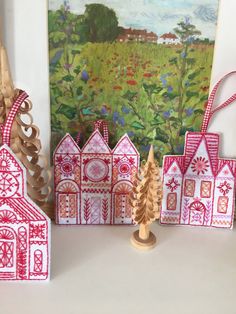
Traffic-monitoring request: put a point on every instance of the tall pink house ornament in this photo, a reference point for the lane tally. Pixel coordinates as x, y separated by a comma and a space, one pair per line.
25, 230
92, 184
199, 187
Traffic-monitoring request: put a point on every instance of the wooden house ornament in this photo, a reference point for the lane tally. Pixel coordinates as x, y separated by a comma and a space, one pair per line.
24, 227
92, 184
199, 187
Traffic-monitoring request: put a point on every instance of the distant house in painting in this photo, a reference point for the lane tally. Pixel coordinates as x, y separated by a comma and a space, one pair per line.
168, 39
137, 35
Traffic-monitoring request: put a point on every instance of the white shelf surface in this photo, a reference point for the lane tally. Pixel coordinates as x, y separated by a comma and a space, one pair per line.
96, 270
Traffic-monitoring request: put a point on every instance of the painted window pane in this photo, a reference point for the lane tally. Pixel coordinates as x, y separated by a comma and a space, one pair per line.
206, 189
171, 201
222, 205
189, 187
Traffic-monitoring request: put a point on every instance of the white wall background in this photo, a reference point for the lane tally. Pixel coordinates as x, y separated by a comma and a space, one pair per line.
25, 37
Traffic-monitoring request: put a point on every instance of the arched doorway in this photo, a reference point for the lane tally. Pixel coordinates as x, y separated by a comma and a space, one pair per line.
67, 202
122, 210
7, 254
197, 213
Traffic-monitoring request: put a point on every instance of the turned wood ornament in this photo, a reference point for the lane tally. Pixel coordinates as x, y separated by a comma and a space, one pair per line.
146, 199
24, 139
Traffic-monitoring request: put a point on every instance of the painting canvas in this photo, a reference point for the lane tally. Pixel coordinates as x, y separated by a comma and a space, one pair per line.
144, 66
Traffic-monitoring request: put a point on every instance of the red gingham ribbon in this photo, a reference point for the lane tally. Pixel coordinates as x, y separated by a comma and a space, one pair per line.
78, 138
209, 111
5, 128
102, 125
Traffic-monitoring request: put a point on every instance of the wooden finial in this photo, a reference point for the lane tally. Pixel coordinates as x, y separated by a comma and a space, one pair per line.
146, 199
6, 83
151, 157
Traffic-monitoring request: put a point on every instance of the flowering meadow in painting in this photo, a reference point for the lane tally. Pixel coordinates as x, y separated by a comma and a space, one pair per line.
153, 86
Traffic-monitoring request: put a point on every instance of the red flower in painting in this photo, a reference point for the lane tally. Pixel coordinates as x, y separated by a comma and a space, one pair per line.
224, 187
147, 74
117, 87
200, 165
172, 184
132, 82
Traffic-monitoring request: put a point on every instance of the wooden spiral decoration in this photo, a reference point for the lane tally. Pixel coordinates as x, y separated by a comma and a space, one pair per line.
25, 141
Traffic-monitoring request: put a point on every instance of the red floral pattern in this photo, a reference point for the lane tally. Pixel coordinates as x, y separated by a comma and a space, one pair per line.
224, 187
172, 184
200, 165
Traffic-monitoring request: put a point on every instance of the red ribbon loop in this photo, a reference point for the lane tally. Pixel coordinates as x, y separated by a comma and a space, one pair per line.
7, 126
209, 111
102, 125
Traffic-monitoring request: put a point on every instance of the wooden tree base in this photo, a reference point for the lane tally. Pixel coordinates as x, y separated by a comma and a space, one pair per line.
141, 244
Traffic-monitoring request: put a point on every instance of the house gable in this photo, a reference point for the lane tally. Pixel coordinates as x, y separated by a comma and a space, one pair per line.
226, 169
200, 164
125, 146
15, 194
96, 144
173, 164
67, 146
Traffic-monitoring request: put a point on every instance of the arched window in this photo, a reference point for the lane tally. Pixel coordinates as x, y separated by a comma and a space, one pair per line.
38, 261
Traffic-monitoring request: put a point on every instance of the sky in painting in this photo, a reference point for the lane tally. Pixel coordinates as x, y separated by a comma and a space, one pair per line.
159, 16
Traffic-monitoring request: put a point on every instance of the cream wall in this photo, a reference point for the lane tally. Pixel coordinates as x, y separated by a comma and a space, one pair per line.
25, 37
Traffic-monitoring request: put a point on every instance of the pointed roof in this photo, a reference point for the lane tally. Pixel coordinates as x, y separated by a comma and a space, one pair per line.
67, 145
227, 163
169, 35
7, 161
13, 170
170, 160
125, 146
24, 207
96, 144
193, 141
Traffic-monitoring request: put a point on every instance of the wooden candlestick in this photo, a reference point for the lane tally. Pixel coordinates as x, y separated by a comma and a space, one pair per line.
146, 199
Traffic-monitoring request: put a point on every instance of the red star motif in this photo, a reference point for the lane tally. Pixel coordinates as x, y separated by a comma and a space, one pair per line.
224, 187
172, 184
174, 169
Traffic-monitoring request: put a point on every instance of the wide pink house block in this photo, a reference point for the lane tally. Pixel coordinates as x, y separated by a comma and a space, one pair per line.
92, 184
199, 187
24, 228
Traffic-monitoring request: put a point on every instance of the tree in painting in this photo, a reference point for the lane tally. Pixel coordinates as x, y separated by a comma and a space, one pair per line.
102, 23
151, 85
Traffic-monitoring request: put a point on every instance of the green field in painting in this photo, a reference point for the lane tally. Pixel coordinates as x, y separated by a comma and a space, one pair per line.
153, 92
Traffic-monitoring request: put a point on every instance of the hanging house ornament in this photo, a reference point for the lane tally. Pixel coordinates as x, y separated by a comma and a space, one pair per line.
92, 184
199, 187
24, 228
22, 136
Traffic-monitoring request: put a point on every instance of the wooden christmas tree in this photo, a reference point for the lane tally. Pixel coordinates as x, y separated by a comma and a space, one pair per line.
146, 199
24, 137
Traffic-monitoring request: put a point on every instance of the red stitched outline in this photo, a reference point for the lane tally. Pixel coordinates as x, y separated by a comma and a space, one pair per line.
227, 199
185, 187
205, 181
175, 200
